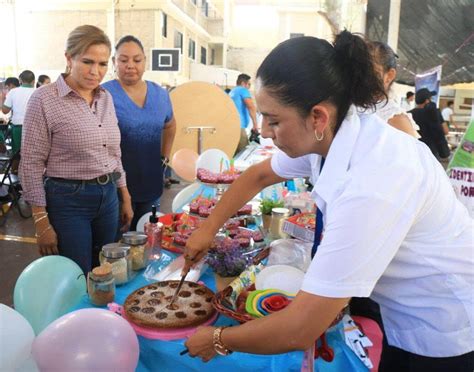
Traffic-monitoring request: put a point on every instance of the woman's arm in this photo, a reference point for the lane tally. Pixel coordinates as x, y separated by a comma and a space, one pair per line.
36, 147
252, 181
46, 237
126, 212
169, 132
294, 328
401, 122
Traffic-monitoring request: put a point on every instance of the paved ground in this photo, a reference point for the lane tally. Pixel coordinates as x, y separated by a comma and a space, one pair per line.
18, 246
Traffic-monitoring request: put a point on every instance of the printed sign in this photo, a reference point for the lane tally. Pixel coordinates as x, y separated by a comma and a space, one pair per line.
430, 80
165, 59
461, 169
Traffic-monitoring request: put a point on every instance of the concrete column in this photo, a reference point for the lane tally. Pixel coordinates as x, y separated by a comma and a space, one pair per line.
394, 24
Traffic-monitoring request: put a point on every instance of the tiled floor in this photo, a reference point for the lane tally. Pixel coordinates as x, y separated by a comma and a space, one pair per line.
16, 253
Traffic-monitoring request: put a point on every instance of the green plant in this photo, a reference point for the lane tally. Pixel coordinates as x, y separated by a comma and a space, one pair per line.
267, 205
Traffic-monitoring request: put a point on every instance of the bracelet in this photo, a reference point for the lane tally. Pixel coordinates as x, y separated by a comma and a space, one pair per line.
39, 214
165, 161
36, 220
42, 232
219, 347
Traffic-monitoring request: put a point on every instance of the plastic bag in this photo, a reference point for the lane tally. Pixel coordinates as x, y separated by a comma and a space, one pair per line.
290, 252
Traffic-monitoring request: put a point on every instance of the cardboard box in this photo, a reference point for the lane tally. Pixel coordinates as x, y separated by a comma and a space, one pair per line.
301, 226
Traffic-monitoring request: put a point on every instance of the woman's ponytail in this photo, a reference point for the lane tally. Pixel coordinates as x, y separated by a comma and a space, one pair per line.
364, 87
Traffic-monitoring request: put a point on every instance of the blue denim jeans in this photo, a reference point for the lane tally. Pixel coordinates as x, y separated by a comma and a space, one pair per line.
84, 216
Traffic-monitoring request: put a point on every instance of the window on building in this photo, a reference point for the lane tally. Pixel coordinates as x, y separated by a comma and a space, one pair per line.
192, 49
164, 24
293, 35
213, 56
203, 55
178, 40
194, 2
205, 8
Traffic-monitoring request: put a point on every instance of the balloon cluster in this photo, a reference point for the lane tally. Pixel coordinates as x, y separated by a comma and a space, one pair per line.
82, 340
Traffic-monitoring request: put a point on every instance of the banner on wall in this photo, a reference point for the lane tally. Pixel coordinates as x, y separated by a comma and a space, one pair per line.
430, 80
461, 169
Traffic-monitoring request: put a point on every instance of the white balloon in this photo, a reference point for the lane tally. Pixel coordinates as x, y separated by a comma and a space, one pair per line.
29, 365
16, 338
211, 160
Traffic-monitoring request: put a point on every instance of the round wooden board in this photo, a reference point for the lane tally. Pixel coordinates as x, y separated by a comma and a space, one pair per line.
203, 104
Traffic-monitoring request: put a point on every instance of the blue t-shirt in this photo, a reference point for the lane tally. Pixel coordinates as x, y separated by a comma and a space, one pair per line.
238, 94
141, 129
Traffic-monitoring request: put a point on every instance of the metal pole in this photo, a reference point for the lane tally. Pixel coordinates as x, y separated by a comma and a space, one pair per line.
394, 24
199, 141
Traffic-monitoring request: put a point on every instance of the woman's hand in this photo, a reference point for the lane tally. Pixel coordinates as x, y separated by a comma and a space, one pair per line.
196, 248
126, 215
201, 344
46, 239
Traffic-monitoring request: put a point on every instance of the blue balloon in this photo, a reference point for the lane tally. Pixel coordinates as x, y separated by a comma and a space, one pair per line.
48, 288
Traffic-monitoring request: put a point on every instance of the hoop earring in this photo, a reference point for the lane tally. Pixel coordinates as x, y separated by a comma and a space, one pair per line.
319, 139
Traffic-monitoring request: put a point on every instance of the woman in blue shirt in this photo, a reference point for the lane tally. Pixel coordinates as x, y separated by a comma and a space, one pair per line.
146, 122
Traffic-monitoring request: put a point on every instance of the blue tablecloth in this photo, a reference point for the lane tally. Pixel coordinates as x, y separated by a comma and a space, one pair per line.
157, 355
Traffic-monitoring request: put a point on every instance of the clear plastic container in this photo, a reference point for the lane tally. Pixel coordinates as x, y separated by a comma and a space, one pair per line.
101, 285
276, 225
118, 255
139, 249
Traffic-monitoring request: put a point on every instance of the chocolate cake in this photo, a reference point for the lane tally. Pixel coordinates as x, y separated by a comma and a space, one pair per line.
149, 306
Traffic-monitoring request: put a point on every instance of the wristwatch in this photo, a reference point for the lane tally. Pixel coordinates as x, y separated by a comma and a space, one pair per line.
219, 347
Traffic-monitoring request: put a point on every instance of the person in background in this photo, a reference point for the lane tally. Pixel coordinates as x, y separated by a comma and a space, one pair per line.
147, 125
408, 103
246, 108
385, 63
71, 163
16, 102
427, 116
11, 82
394, 229
447, 114
43, 80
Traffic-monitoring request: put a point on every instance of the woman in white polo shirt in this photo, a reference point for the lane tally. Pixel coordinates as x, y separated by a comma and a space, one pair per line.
393, 228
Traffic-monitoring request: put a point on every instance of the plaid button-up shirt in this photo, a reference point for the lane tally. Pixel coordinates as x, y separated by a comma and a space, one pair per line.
65, 137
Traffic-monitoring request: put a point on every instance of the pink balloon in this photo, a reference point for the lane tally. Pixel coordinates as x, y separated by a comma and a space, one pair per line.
87, 340
184, 164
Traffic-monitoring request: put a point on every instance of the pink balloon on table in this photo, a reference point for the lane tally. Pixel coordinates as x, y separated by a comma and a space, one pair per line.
87, 340
184, 164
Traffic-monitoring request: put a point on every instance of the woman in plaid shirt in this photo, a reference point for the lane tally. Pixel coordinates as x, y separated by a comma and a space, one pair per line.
71, 161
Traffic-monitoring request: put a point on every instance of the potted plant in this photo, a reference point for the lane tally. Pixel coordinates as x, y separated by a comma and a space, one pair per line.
266, 207
226, 258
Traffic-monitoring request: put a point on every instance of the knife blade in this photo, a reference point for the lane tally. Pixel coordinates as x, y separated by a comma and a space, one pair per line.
175, 296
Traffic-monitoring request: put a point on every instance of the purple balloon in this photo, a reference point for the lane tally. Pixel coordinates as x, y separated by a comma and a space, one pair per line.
87, 340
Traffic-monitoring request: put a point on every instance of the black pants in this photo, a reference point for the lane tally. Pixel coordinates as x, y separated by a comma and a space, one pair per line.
394, 359
397, 360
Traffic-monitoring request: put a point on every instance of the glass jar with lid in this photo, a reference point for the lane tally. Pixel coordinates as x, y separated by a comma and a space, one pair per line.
276, 225
139, 249
118, 255
101, 285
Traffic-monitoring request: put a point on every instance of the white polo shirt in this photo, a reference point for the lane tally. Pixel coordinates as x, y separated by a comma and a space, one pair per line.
395, 231
16, 100
446, 113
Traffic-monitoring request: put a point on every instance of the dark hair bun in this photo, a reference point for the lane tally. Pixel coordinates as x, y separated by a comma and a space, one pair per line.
354, 58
